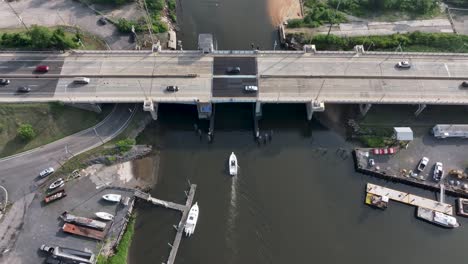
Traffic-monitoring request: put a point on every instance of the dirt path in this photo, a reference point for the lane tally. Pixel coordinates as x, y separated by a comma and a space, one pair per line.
282, 10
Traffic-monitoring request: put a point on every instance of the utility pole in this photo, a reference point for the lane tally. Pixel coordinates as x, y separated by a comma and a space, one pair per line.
17, 15
334, 16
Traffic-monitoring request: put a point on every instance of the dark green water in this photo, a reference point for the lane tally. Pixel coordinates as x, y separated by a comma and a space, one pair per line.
296, 199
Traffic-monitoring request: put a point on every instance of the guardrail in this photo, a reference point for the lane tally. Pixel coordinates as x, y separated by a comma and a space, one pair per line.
390, 77
111, 51
127, 76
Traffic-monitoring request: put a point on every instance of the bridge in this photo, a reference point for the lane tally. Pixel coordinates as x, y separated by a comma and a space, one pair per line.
309, 76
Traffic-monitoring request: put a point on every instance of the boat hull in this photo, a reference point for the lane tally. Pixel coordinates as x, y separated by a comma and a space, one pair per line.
192, 219
233, 164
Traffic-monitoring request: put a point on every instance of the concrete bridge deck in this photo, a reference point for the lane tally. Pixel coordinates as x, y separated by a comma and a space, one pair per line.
328, 77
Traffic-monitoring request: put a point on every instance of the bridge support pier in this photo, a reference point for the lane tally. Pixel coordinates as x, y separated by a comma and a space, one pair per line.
364, 108
421, 107
87, 106
258, 110
151, 107
314, 106
205, 109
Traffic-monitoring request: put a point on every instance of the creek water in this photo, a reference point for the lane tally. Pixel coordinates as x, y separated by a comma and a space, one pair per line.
296, 199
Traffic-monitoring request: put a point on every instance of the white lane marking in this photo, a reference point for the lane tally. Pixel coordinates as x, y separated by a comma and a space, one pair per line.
446, 67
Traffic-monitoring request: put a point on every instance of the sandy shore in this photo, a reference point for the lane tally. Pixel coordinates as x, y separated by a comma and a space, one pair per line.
283, 10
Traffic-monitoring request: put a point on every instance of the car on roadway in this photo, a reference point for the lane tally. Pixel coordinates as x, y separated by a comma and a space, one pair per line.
23, 89
464, 84
102, 20
403, 65
4, 81
42, 68
172, 88
81, 80
438, 171
251, 88
233, 70
46, 172
422, 164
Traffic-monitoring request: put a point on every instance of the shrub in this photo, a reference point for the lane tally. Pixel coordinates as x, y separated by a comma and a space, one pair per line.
125, 145
26, 132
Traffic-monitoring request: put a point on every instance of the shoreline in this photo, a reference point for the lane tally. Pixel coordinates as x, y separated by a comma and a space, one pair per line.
281, 11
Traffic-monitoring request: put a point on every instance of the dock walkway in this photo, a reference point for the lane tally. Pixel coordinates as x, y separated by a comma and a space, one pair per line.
180, 227
156, 201
410, 199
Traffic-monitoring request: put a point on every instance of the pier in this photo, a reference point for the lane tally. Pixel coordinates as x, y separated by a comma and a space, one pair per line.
184, 209
410, 199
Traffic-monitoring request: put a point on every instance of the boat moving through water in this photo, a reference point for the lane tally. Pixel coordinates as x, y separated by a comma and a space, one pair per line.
437, 218
192, 218
233, 164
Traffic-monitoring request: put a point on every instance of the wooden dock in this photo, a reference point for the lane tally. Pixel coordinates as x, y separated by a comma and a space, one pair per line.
180, 227
410, 199
171, 205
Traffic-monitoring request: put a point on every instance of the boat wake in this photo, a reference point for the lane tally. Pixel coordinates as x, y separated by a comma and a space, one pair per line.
231, 220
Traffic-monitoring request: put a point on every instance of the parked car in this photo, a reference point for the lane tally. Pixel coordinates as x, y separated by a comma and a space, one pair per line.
4, 81
42, 68
464, 84
391, 150
233, 70
438, 171
23, 89
46, 172
172, 88
251, 88
102, 20
422, 164
403, 65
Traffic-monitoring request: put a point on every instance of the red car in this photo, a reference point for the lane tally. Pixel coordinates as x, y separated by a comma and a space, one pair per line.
42, 68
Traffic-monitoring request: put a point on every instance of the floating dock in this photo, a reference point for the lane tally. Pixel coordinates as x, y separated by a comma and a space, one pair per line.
174, 206
410, 199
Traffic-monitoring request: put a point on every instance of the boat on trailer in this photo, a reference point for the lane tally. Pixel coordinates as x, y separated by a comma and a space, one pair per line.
233, 166
112, 197
192, 219
55, 196
104, 216
83, 221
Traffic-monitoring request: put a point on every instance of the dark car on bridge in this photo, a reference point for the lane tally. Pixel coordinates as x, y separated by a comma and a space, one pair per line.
464, 84
4, 81
233, 70
23, 89
172, 88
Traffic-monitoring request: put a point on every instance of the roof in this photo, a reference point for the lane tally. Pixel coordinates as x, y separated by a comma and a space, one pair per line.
403, 133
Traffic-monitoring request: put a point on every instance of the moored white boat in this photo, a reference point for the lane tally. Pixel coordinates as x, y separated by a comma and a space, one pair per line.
112, 197
437, 218
56, 184
104, 216
192, 218
233, 164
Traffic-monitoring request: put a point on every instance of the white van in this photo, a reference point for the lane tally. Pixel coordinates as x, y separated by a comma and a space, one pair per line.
81, 80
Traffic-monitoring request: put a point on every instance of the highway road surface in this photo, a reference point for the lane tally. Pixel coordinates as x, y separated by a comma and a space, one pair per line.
331, 77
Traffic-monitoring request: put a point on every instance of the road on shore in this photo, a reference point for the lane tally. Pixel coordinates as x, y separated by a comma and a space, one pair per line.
19, 173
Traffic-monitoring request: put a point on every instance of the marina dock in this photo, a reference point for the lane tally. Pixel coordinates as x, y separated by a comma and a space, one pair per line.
410, 199
175, 206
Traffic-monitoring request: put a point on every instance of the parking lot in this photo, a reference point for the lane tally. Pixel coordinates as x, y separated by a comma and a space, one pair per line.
42, 224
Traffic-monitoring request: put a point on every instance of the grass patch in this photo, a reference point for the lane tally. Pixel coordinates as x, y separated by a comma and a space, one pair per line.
317, 13
415, 41
123, 248
88, 40
50, 122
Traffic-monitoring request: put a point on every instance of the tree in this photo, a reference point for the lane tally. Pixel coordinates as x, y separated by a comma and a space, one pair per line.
40, 37
125, 145
26, 132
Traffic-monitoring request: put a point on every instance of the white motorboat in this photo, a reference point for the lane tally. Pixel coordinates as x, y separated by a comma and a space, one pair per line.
192, 218
437, 218
104, 216
233, 164
112, 197
56, 184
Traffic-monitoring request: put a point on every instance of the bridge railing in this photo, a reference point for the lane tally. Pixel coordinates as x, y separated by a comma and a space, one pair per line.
111, 51
238, 52
447, 54
180, 52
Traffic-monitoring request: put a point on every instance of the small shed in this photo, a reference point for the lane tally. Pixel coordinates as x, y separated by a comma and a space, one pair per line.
403, 133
